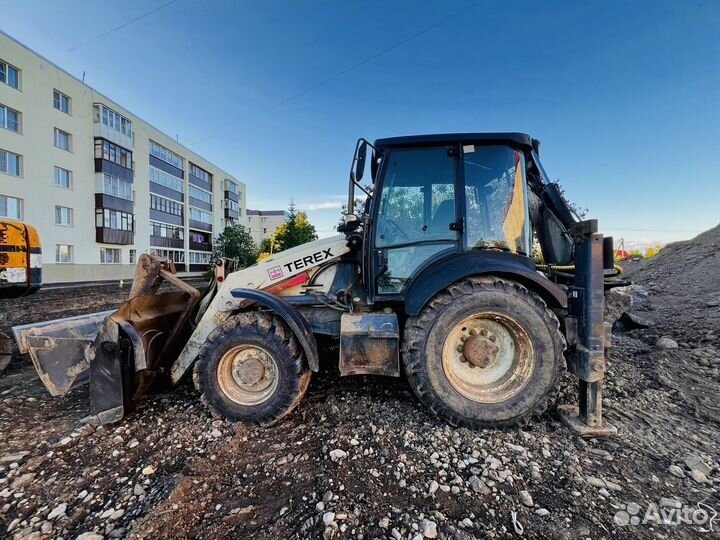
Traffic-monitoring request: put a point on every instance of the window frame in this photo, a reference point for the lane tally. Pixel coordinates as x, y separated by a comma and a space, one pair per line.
69, 177
4, 119
59, 214
59, 132
71, 254
60, 95
20, 207
104, 250
18, 160
6, 75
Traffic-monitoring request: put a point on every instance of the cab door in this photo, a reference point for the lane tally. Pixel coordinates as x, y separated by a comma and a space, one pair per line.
416, 215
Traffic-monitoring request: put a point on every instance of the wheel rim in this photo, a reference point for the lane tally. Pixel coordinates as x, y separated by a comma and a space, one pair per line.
488, 357
247, 374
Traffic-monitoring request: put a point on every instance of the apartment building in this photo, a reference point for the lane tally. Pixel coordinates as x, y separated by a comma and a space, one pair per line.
101, 185
262, 223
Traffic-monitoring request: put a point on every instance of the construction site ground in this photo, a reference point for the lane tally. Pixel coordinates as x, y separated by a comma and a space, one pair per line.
361, 457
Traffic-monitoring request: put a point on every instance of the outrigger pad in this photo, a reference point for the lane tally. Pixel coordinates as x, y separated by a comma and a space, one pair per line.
570, 416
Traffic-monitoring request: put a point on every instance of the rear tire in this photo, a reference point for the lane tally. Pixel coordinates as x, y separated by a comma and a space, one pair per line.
485, 352
251, 369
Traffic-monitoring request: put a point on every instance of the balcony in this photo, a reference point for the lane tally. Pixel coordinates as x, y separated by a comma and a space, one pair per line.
231, 196
232, 214
162, 241
200, 246
207, 186
199, 225
158, 215
102, 200
113, 169
104, 235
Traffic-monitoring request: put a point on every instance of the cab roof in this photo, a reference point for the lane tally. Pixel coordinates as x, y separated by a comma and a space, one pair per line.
514, 139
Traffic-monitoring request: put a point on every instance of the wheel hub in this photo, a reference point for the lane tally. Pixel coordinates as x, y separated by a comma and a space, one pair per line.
247, 374
488, 357
480, 350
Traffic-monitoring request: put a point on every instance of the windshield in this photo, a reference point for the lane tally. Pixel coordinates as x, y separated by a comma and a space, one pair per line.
495, 198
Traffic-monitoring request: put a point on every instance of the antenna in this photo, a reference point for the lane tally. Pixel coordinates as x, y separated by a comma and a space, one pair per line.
83, 79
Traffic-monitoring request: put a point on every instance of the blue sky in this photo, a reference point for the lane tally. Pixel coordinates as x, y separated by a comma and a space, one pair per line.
624, 95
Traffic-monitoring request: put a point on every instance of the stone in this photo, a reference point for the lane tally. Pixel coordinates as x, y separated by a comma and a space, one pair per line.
89, 536
117, 514
478, 486
149, 470
337, 454
433, 487
698, 476
676, 471
328, 518
632, 321
65, 441
58, 511
216, 433
138, 490
526, 499
515, 447
695, 463
14, 458
428, 528
384, 523
542, 512
23, 481
320, 506
666, 343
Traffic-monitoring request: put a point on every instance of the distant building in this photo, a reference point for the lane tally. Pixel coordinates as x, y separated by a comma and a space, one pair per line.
262, 223
99, 184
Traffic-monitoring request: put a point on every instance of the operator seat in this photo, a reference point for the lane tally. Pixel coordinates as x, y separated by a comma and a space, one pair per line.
444, 216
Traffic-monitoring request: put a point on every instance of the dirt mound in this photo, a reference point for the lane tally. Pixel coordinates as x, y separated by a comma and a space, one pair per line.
687, 267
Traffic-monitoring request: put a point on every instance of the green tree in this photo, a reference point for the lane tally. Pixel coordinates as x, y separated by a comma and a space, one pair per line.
235, 242
296, 230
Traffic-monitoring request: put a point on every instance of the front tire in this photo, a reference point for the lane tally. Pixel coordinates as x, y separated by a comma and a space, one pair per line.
485, 352
251, 369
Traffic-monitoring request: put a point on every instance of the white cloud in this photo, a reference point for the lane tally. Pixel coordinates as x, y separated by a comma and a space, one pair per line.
325, 205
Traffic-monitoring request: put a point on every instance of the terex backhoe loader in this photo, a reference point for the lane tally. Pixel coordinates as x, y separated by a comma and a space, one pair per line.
433, 277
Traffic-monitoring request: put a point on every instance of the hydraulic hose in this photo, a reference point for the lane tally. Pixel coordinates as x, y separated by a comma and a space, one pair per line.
570, 267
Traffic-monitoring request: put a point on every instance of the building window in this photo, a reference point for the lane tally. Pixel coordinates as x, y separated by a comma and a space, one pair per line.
200, 257
168, 156
109, 255
62, 178
202, 174
63, 140
114, 153
200, 215
231, 205
63, 254
113, 120
114, 219
133, 256
231, 187
165, 205
9, 119
165, 179
10, 163
10, 207
170, 254
166, 231
9, 75
200, 195
117, 187
63, 216
61, 102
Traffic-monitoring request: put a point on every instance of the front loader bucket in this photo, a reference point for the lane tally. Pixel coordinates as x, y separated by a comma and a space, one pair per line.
121, 352
61, 349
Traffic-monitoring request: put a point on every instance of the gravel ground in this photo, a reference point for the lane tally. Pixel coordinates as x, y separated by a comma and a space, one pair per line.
361, 458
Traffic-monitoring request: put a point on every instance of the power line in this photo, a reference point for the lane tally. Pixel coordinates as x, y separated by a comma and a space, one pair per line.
357, 65
124, 25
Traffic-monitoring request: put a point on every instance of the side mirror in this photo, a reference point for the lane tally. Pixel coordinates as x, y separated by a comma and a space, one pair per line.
360, 161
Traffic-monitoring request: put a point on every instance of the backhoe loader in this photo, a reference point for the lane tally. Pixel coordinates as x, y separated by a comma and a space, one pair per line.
20, 270
432, 277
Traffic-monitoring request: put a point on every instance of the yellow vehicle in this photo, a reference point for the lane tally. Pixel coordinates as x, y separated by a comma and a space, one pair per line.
20, 269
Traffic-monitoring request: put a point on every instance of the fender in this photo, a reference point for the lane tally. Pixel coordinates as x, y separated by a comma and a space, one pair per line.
446, 271
291, 316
